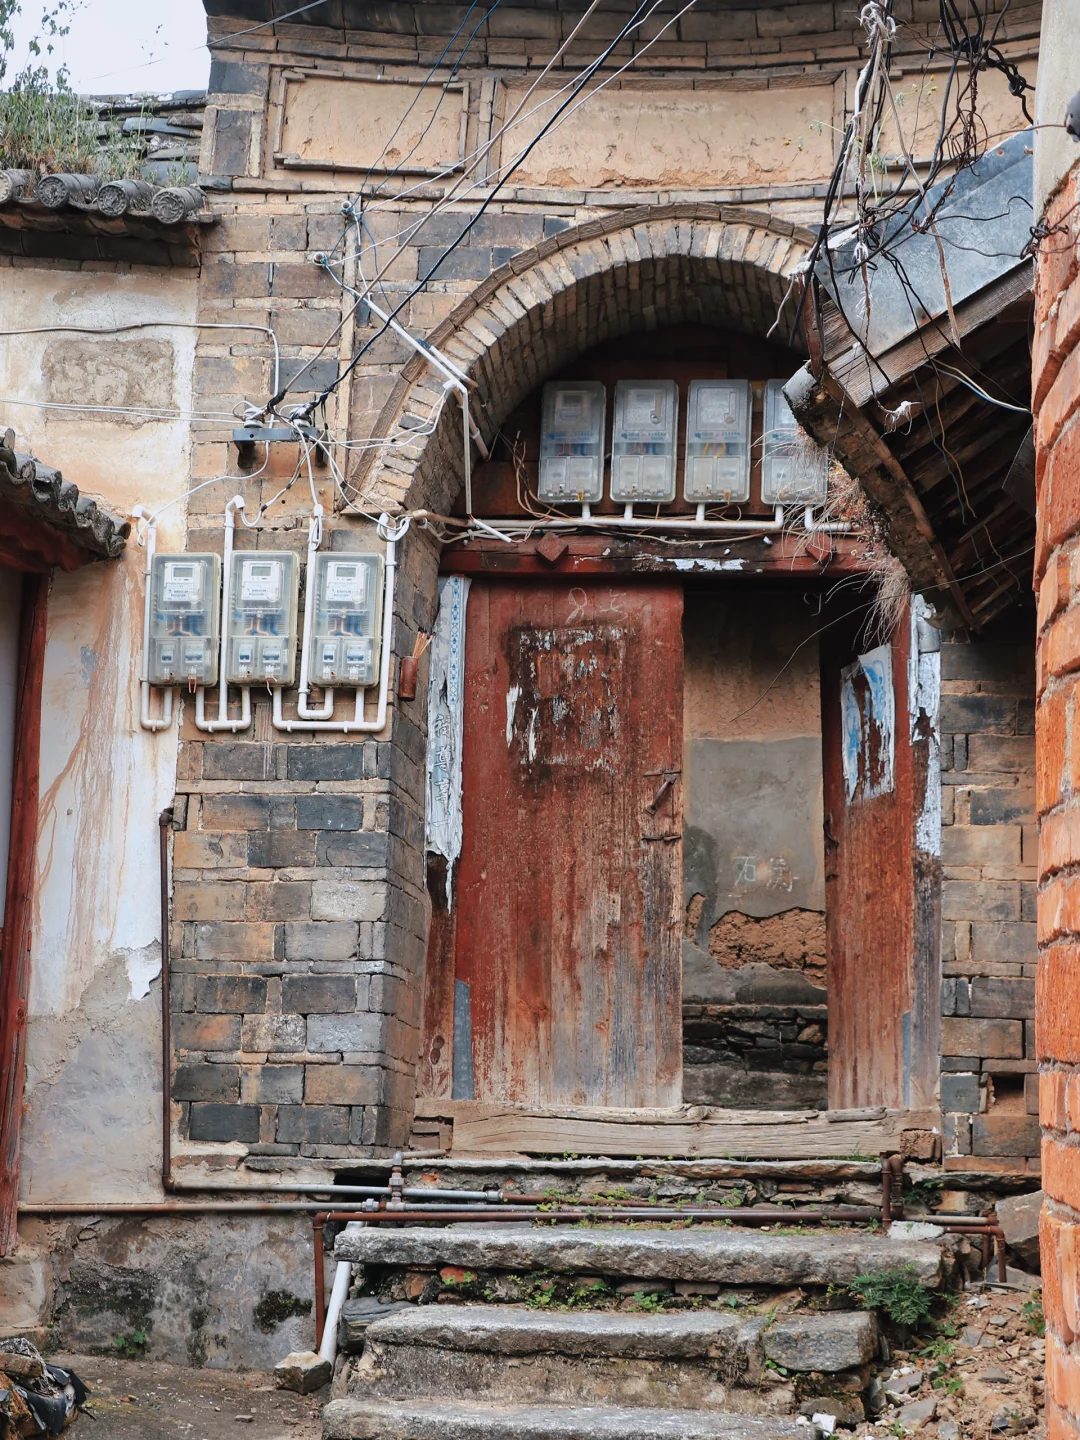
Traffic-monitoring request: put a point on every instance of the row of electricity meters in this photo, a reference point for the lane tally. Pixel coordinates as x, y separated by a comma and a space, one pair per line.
644, 444
260, 619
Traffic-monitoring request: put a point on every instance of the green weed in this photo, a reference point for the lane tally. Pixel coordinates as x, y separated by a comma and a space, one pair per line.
898, 1292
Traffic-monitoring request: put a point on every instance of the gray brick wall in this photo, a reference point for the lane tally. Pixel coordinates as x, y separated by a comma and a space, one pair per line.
989, 1100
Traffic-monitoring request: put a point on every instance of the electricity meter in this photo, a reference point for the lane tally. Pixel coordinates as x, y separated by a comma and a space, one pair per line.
184, 593
643, 441
348, 611
793, 467
261, 638
718, 441
572, 441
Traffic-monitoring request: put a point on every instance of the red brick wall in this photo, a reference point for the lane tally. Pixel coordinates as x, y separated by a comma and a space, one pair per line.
1056, 390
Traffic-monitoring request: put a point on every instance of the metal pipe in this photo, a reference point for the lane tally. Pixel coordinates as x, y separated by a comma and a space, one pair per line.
171, 1207
317, 1223
165, 820
376, 1192
886, 1192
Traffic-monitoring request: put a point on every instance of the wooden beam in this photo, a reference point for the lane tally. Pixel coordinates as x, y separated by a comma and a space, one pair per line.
895, 470
864, 377
15, 944
688, 1131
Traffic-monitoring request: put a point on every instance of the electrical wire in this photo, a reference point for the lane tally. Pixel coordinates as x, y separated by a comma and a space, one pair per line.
638, 18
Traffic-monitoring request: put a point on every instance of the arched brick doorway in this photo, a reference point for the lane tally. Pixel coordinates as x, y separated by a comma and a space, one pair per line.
633, 273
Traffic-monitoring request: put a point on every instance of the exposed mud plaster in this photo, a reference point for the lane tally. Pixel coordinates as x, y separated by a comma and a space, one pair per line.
640, 134
198, 1289
104, 455
92, 1125
128, 373
793, 940
103, 783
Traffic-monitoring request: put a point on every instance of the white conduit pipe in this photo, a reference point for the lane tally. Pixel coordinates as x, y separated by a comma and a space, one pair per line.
823, 527
622, 522
750, 526
357, 724
145, 719
303, 710
339, 1293
223, 722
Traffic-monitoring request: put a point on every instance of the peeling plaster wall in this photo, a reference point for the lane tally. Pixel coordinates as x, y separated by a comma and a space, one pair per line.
754, 1022
91, 1128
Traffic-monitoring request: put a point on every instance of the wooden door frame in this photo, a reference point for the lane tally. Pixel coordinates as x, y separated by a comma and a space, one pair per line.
15, 937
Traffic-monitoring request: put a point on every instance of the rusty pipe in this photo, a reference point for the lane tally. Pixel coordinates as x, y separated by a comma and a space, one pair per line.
165, 820
317, 1223
886, 1192
172, 1207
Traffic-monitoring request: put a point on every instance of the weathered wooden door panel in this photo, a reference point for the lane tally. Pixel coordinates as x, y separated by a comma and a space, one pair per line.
869, 859
567, 890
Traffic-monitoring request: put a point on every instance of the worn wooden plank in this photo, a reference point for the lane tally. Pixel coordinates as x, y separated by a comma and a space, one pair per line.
685, 1131
15, 937
436, 1067
864, 377
869, 895
567, 931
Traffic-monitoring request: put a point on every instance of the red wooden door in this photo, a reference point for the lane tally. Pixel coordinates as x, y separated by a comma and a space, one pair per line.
869, 859
567, 893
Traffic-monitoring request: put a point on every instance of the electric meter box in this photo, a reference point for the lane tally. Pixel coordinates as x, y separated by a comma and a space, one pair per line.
793, 468
348, 613
643, 441
572, 442
261, 627
718, 441
184, 604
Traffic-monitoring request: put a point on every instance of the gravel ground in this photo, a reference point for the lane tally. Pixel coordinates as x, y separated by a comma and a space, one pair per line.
982, 1381
145, 1400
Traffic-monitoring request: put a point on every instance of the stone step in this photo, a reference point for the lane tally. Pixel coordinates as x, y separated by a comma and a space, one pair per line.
836, 1340
351, 1419
701, 1360
729, 1257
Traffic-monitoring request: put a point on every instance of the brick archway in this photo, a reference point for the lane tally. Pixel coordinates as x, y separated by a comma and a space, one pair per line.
637, 270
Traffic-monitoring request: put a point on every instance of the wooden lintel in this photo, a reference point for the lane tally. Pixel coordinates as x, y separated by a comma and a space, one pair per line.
685, 1132
787, 556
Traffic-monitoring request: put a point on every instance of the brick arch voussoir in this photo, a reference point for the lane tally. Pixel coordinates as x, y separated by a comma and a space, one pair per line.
640, 269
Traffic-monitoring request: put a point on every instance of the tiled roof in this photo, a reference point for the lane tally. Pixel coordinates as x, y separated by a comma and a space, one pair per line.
44, 495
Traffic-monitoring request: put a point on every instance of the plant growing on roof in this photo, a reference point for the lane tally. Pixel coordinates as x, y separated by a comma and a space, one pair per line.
44, 125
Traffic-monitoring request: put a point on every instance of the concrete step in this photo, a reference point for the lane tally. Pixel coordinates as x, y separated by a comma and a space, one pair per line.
730, 1257
350, 1419
701, 1360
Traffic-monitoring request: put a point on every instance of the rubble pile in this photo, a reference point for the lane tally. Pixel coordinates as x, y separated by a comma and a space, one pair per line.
980, 1377
36, 1398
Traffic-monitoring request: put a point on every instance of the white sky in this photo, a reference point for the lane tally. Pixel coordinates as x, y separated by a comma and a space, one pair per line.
111, 42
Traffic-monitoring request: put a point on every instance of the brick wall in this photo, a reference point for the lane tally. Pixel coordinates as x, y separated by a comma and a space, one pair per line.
989, 1096
1056, 388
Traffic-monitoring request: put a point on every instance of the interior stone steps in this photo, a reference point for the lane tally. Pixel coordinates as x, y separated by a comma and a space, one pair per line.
729, 1257
704, 1360
351, 1419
